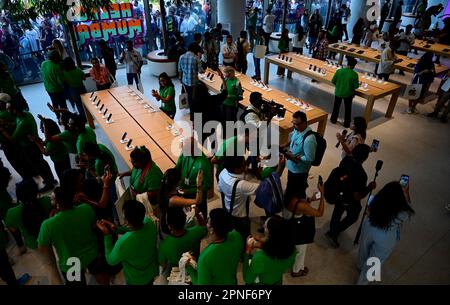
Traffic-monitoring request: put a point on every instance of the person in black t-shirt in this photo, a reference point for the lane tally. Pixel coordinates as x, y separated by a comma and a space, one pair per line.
359, 190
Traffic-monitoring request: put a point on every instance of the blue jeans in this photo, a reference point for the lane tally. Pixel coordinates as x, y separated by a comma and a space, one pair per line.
130, 77
257, 62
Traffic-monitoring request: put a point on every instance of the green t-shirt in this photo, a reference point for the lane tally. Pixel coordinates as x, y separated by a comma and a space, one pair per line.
217, 264
233, 89
74, 78
283, 45
71, 232
228, 148
137, 252
262, 269
100, 163
266, 171
189, 167
57, 151
151, 181
25, 126
69, 138
171, 248
10, 124
346, 81
87, 136
8, 85
14, 219
5, 203
52, 76
164, 93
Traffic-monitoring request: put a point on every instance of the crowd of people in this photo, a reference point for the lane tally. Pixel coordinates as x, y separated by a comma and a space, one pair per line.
167, 217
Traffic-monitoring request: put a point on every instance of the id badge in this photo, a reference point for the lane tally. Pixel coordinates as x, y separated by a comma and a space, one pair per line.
186, 181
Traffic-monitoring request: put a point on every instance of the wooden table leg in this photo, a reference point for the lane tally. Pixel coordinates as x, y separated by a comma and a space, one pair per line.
322, 125
341, 58
369, 108
266, 71
392, 104
89, 118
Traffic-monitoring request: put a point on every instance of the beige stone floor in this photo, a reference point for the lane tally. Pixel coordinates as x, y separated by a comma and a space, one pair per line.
410, 144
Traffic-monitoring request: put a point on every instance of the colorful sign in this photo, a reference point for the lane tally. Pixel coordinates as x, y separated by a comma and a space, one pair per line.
106, 24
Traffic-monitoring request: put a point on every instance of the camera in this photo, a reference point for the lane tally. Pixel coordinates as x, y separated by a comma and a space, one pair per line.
271, 109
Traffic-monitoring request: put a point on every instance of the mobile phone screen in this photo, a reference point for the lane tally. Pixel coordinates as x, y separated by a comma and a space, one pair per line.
375, 145
404, 180
318, 195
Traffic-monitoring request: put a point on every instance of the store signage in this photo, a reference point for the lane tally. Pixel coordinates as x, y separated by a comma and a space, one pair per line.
117, 21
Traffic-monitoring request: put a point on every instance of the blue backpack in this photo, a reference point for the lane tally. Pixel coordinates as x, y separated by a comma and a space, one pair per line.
269, 195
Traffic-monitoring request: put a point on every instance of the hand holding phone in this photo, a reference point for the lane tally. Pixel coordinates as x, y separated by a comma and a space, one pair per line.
404, 180
375, 145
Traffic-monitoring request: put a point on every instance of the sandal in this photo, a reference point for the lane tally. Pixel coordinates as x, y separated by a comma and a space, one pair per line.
300, 273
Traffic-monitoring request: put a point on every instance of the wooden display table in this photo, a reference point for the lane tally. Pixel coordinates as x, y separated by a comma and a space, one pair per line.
374, 55
314, 114
300, 64
436, 48
129, 114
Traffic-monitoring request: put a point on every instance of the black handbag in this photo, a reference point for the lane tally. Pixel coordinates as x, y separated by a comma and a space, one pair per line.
303, 228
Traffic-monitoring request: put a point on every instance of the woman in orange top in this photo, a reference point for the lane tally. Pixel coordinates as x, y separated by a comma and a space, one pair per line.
100, 75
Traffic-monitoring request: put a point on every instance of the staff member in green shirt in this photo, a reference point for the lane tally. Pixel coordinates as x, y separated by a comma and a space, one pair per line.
225, 243
56, 150
145, 175
73, 78
52, 76
71, 233
32, 160
189, 163
346, 81
101, 158
180, 240
8, 86
29, 214
136, 249
275, 256
166, 95
234, 89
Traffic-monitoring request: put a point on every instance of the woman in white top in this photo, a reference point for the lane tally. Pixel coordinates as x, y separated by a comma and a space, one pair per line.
298, 42
388, 59
357, 136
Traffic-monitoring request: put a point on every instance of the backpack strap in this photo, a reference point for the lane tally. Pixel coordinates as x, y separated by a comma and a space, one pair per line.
307, 134
276, 191
233, 195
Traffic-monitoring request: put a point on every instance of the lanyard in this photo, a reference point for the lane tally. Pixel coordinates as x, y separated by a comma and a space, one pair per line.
143, 174
188, 173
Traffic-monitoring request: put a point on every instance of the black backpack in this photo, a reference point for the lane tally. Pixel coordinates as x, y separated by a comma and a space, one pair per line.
337, 188
320, 148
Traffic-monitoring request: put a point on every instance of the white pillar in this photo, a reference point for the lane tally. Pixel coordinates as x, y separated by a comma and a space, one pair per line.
232, 12
358, 9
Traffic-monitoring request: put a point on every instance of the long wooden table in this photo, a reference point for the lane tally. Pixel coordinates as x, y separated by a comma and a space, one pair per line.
129, 115
436, 48
375, 89
373, 55
313, 113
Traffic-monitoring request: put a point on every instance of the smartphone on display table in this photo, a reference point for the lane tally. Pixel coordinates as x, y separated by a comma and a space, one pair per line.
404, 180
375, 145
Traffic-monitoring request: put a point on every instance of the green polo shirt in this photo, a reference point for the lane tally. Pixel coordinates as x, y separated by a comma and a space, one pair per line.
57, 151
8, 85
262, 269
189, 167
52, 76
151, 181
87, 136
172, 247
166, 92
25, 126
14, 219
233, 91
137, 252
69, 138
72, 234
217, 264
100, 163
346, 81
228, 148
74, 78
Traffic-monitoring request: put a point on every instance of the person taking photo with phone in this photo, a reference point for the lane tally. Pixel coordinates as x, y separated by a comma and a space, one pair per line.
381, 230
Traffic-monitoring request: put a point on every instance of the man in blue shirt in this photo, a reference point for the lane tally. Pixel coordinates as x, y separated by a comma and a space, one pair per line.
300, 153
189, 66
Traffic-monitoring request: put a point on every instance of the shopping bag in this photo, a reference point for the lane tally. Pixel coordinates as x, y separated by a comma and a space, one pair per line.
114, 83
139, 85
183, 99
412, 91
260, 51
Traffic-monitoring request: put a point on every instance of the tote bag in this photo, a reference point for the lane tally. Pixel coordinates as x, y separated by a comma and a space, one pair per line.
412, 91
260, 51
183, 99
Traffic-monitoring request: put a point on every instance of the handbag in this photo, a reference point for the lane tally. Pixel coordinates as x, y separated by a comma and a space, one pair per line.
303, 228
260, 51
412, 91
183, 99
